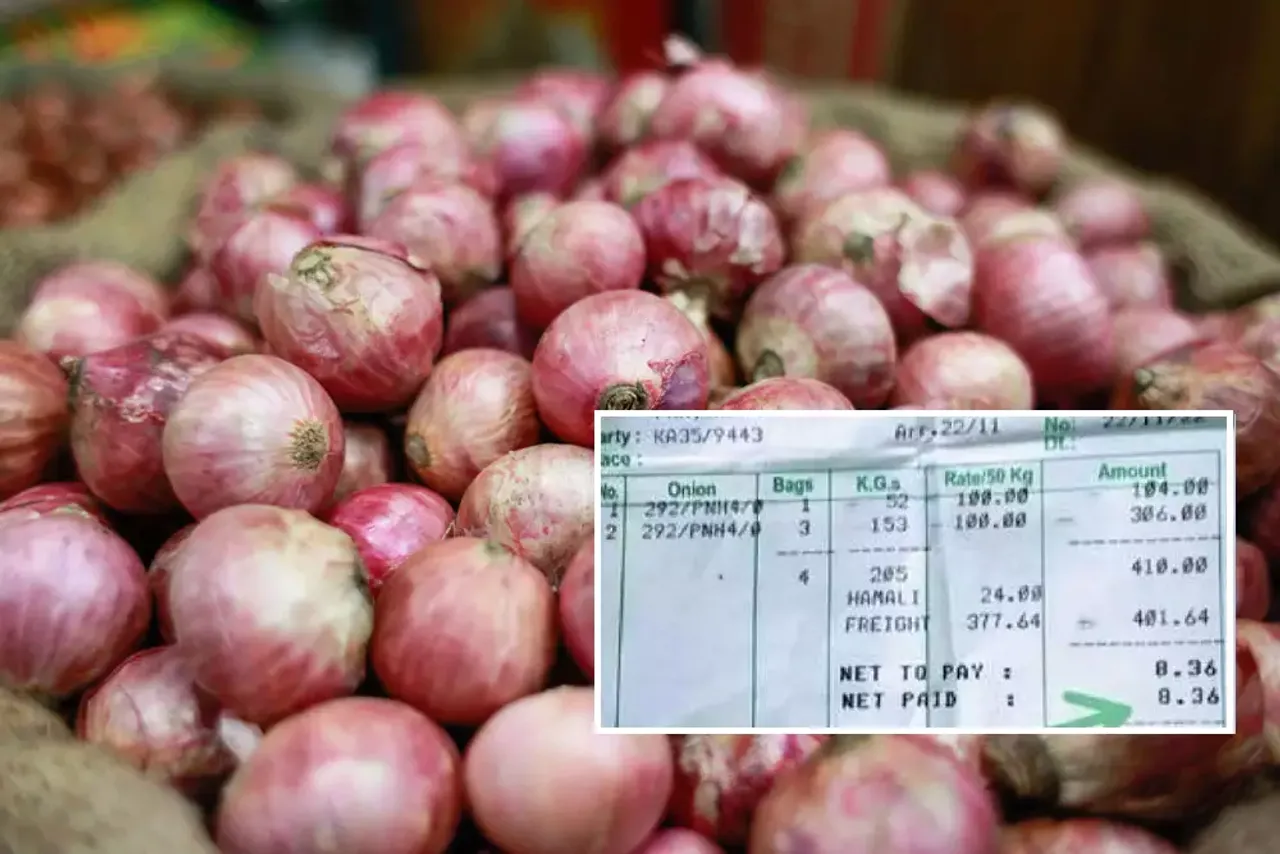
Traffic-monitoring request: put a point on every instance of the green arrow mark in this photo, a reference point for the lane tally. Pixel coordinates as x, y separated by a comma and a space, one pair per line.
1104, 712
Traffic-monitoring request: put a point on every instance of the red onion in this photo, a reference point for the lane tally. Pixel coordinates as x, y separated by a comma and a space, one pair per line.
90, 306
1096, 836
1010, 145
388, 523
537, 502
998, 217
449, 228
919, 265
253, 429
833, 163
197, 291
612, 351
56, 498
720, 779
889, 787
272, 609
1037, 295
969, 370
532, 146
1216, 375
357, 774
120, 402
578, 607
383, 119
149, 713
565, 790
1144, 334
476, 406
462, 629
217, 330
365, 324
238, 186
1253, 581
936, 192
624, 120
158, 574
675, 840
33, 416
578, 95
576, 250
407, 163
323, 205
1132, 275
366, 459
521, 214
815, 322
786, 393
643, 168
1101, 212
489, 319
73, 601
709, 237
263, 243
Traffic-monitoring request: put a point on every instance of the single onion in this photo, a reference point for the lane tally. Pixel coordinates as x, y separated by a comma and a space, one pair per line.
643, 168
578, 607
1036, 294
389, 522
537, 502
366, 459
323, 205
383, 119
676, 840
407, 163
968, 369
354, 775
613, 351
624, 119
786, 393
936, 192
73, 601
1253, 581
33, 416
365, 324
869, 790
238, 186
997, 217
919, 265
196, 291
158, 574
539, 780
272, 609
533, 146
709, 237
1216, 375
720, 779
90, 306
1103, 211
521, 214
449, 228
1010, 145
149, 712
833, 163
578, 95
1074, 836
254, 429
462, 629
45, 498
1132, 276
1144, 334
817, 322
222, 332
576, 250
476, 406
489, 319
263, 243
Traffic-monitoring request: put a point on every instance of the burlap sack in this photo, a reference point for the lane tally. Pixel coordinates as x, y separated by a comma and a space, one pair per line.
1221, 261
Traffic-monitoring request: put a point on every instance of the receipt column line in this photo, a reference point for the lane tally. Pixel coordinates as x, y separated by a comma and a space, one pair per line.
830, 676
1044, 606
755, 603
622, 602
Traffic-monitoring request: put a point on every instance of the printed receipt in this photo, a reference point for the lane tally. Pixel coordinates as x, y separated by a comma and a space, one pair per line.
859, 571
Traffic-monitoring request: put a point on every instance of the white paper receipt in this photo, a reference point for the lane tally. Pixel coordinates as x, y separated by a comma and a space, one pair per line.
861, 571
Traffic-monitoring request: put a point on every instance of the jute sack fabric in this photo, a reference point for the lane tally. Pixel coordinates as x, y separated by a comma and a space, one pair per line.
1220, 261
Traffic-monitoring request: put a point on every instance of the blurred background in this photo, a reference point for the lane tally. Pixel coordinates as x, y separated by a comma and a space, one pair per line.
1171, 86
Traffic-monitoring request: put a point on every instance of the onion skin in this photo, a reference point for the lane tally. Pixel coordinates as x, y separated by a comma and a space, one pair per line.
639, 170
263, 243
489, 319
624, 119
476, 406
225, 333
158, 574
361, 775
1144, 334
1103, 212
1132, 276
576, 250
389, 523
936, 192
322, 205
969, 370
537, 502
856, 797
1253, 581
73, 601
462, 629
531, 144
617, 350
833, 163
1010, 145
405, 164
91, 306
720, 779
1216, 375
366, 459
1096, 836
450, 229
120, 402
577, 604
569, 790
818, 323
238, 185
676, 840
272, 610
33, 416
383, 119
254, 430
70, 497
521, 214
786, 393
